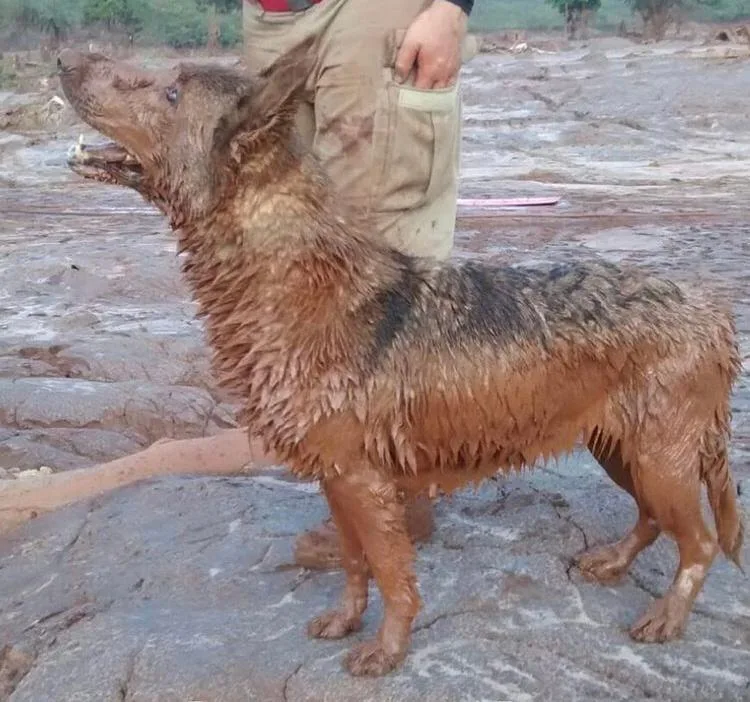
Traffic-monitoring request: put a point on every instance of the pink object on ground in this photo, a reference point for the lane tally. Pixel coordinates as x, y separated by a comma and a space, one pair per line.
507, 202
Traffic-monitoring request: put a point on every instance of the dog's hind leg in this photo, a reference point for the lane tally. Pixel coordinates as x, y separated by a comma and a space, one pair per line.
374, 508
341, 622
669, 483
609, 563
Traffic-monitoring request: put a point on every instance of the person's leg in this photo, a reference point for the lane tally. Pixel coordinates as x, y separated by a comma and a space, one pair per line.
390, 149
267, 36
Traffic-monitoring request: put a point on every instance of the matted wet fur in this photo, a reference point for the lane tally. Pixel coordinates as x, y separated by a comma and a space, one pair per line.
379, 374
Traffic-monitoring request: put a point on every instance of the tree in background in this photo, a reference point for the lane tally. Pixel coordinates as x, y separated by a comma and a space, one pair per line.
177, 23
578, 15
56, 18
110, 13
658, 15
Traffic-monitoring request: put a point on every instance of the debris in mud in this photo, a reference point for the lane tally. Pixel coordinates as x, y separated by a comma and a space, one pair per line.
729, 42
25, 75
17, 473
541, 74
36, 115
631, 124
31, 473
549, 102
734, 35
515, 43
724, 50
14, 666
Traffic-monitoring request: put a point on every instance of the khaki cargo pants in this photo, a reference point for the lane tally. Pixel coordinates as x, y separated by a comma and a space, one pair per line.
389, 149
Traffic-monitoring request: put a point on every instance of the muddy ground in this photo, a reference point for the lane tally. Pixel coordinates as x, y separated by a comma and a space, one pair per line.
184, 590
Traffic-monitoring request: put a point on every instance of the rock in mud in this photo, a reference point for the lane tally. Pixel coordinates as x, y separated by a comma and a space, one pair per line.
142, 410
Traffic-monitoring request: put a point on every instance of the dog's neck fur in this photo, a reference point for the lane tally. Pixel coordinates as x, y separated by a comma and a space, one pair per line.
277, 270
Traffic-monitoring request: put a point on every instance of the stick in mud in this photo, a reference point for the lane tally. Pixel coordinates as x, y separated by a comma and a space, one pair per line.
227, 453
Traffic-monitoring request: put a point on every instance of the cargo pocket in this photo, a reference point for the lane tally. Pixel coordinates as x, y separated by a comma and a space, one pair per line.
416, 136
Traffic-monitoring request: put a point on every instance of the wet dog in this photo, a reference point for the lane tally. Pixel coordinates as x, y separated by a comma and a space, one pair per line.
379, 375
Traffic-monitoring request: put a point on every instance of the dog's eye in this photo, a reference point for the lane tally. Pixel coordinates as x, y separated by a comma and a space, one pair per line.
172, 94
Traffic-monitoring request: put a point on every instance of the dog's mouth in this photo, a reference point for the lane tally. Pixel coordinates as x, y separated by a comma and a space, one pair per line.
108, 162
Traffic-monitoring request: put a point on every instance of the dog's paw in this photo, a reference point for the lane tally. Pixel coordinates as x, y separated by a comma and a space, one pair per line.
371, 659
603, 565
663, 621
333, 625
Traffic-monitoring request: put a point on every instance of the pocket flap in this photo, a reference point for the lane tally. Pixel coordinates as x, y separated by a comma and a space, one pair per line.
440, 100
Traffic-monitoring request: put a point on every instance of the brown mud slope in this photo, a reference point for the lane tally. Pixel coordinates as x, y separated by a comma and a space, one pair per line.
183, 590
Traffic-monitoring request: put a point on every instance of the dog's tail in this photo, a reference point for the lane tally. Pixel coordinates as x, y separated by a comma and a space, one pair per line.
722, 492
722, 495
715, 473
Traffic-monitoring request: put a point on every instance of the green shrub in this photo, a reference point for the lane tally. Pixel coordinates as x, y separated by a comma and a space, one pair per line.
8, 78
578, 14
657, 15
230, 24
498, 15
177, 23
55, 17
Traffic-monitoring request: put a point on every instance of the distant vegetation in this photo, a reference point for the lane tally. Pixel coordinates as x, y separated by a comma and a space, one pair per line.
494, 15
578, 15
177, 23
656, 15
194, 23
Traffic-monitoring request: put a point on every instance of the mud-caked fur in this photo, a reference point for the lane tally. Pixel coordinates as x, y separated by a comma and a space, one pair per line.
379, 374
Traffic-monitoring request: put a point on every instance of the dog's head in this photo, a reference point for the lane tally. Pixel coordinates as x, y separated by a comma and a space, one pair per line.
181, 136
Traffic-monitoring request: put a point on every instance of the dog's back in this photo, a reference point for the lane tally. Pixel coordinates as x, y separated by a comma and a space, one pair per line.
498, 306
481, 365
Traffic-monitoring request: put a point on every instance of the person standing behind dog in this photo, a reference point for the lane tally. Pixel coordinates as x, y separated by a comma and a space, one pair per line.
383, 116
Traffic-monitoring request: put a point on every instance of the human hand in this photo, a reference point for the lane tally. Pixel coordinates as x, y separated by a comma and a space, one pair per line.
432, 46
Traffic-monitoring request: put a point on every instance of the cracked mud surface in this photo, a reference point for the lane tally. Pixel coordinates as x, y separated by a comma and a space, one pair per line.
184, 589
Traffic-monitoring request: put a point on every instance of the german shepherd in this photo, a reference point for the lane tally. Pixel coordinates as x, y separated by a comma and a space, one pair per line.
378, 374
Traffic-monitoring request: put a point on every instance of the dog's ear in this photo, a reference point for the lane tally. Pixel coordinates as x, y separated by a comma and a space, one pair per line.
270, 102
283, 82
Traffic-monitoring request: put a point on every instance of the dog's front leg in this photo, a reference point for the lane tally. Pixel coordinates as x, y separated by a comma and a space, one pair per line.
365, 502
348, 617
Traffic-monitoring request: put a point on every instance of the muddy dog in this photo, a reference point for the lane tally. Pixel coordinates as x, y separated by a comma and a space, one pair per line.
379, 375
